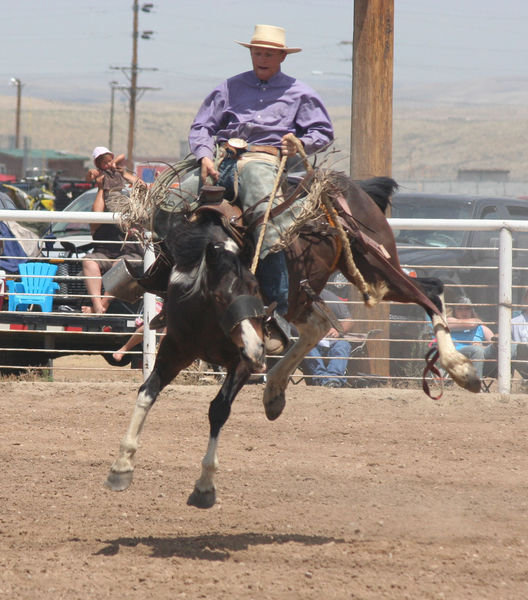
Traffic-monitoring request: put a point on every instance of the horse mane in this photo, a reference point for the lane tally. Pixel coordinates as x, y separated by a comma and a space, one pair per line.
187, 242
380, 189
187, 245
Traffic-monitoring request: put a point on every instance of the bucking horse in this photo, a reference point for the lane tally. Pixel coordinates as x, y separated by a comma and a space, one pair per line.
214, 310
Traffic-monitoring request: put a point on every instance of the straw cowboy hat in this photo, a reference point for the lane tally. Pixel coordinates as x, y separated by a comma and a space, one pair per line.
269, 36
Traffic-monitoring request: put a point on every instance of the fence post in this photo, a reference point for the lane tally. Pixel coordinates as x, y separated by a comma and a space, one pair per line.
149, 311
505, 302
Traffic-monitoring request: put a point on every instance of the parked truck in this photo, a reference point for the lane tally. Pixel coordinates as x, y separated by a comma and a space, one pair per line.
465, 261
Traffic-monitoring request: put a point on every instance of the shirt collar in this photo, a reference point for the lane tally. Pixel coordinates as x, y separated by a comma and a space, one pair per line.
274, 80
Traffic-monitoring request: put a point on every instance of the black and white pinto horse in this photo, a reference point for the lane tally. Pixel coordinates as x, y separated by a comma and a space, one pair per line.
215, 312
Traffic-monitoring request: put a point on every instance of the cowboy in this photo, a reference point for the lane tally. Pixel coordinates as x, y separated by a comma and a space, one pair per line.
239, 134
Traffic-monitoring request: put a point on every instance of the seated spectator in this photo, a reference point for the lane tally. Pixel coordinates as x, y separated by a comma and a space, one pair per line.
136, 338
519, 334
111, 178
471, 337
329, 372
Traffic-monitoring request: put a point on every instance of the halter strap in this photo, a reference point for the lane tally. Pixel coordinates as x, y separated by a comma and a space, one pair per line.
242, 307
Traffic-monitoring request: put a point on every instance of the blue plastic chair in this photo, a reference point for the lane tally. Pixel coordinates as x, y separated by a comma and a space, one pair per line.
37, 280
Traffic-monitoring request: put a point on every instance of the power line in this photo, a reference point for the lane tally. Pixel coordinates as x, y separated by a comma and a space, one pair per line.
135, 92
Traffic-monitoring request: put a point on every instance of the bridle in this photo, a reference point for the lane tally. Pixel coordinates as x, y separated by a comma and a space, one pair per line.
242, 307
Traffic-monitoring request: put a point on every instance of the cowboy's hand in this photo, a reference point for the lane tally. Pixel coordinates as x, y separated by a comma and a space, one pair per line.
288, 145
332, 333
207, 169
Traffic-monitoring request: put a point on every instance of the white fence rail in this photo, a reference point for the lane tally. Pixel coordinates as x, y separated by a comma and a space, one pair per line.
504, 265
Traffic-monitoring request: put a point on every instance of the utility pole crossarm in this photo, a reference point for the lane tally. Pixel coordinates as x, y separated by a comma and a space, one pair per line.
133, 91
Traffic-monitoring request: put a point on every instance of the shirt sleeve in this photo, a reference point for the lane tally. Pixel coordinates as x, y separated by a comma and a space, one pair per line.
313, 124
206, 124
519, 329
479, 335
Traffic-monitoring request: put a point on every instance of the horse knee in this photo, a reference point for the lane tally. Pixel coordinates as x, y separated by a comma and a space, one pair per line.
149, 391
218, 414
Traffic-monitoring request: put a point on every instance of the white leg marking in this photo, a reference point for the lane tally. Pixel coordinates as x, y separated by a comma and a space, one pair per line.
129, 444
456, 364
310, 333
209, 467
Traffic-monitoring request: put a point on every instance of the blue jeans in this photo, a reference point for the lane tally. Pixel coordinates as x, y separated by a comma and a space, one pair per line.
255, 182
315, 362
272, 274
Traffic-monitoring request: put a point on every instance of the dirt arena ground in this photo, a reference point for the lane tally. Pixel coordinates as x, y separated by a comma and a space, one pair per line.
357, 494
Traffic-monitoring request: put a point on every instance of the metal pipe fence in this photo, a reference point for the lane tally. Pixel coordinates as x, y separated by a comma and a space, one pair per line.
409, 334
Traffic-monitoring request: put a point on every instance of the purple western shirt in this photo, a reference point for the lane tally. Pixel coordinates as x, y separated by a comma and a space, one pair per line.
260, 113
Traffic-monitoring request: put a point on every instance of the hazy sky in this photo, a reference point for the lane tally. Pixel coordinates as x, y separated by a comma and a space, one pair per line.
62, 49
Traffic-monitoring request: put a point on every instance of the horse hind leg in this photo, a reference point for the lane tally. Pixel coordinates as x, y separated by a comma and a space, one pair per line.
165, 369
459, 367
310, 333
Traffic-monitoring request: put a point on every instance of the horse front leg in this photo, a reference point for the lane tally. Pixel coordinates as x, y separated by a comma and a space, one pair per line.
310, 333
204, 493
165, 369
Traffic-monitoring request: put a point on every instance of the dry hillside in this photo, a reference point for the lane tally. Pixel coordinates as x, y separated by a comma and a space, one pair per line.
429, 142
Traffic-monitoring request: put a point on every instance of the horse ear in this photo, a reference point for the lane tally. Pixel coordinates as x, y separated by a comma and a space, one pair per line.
212, 252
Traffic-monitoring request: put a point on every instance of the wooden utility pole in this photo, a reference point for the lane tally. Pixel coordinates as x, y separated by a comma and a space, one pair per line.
113, 87
18, 84
372, 78
134, 92
371, 129
133, 89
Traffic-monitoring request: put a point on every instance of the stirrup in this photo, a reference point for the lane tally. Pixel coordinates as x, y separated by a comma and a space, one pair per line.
276, 333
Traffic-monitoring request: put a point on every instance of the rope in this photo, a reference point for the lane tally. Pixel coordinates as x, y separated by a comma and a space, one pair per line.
267, 214
356, 275
331, 212
339, 243
309, 168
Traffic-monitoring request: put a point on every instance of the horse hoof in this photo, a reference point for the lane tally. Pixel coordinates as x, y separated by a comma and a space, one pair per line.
470, 381
202, 499
117, 482
275, 407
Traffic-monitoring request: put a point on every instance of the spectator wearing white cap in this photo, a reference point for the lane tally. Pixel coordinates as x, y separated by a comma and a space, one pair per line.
111, 177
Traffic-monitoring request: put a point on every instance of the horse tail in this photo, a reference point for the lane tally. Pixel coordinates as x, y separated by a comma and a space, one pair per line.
380, 189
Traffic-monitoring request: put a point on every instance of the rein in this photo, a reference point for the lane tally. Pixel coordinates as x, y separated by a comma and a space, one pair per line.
339, 242
309, 169
430, 367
